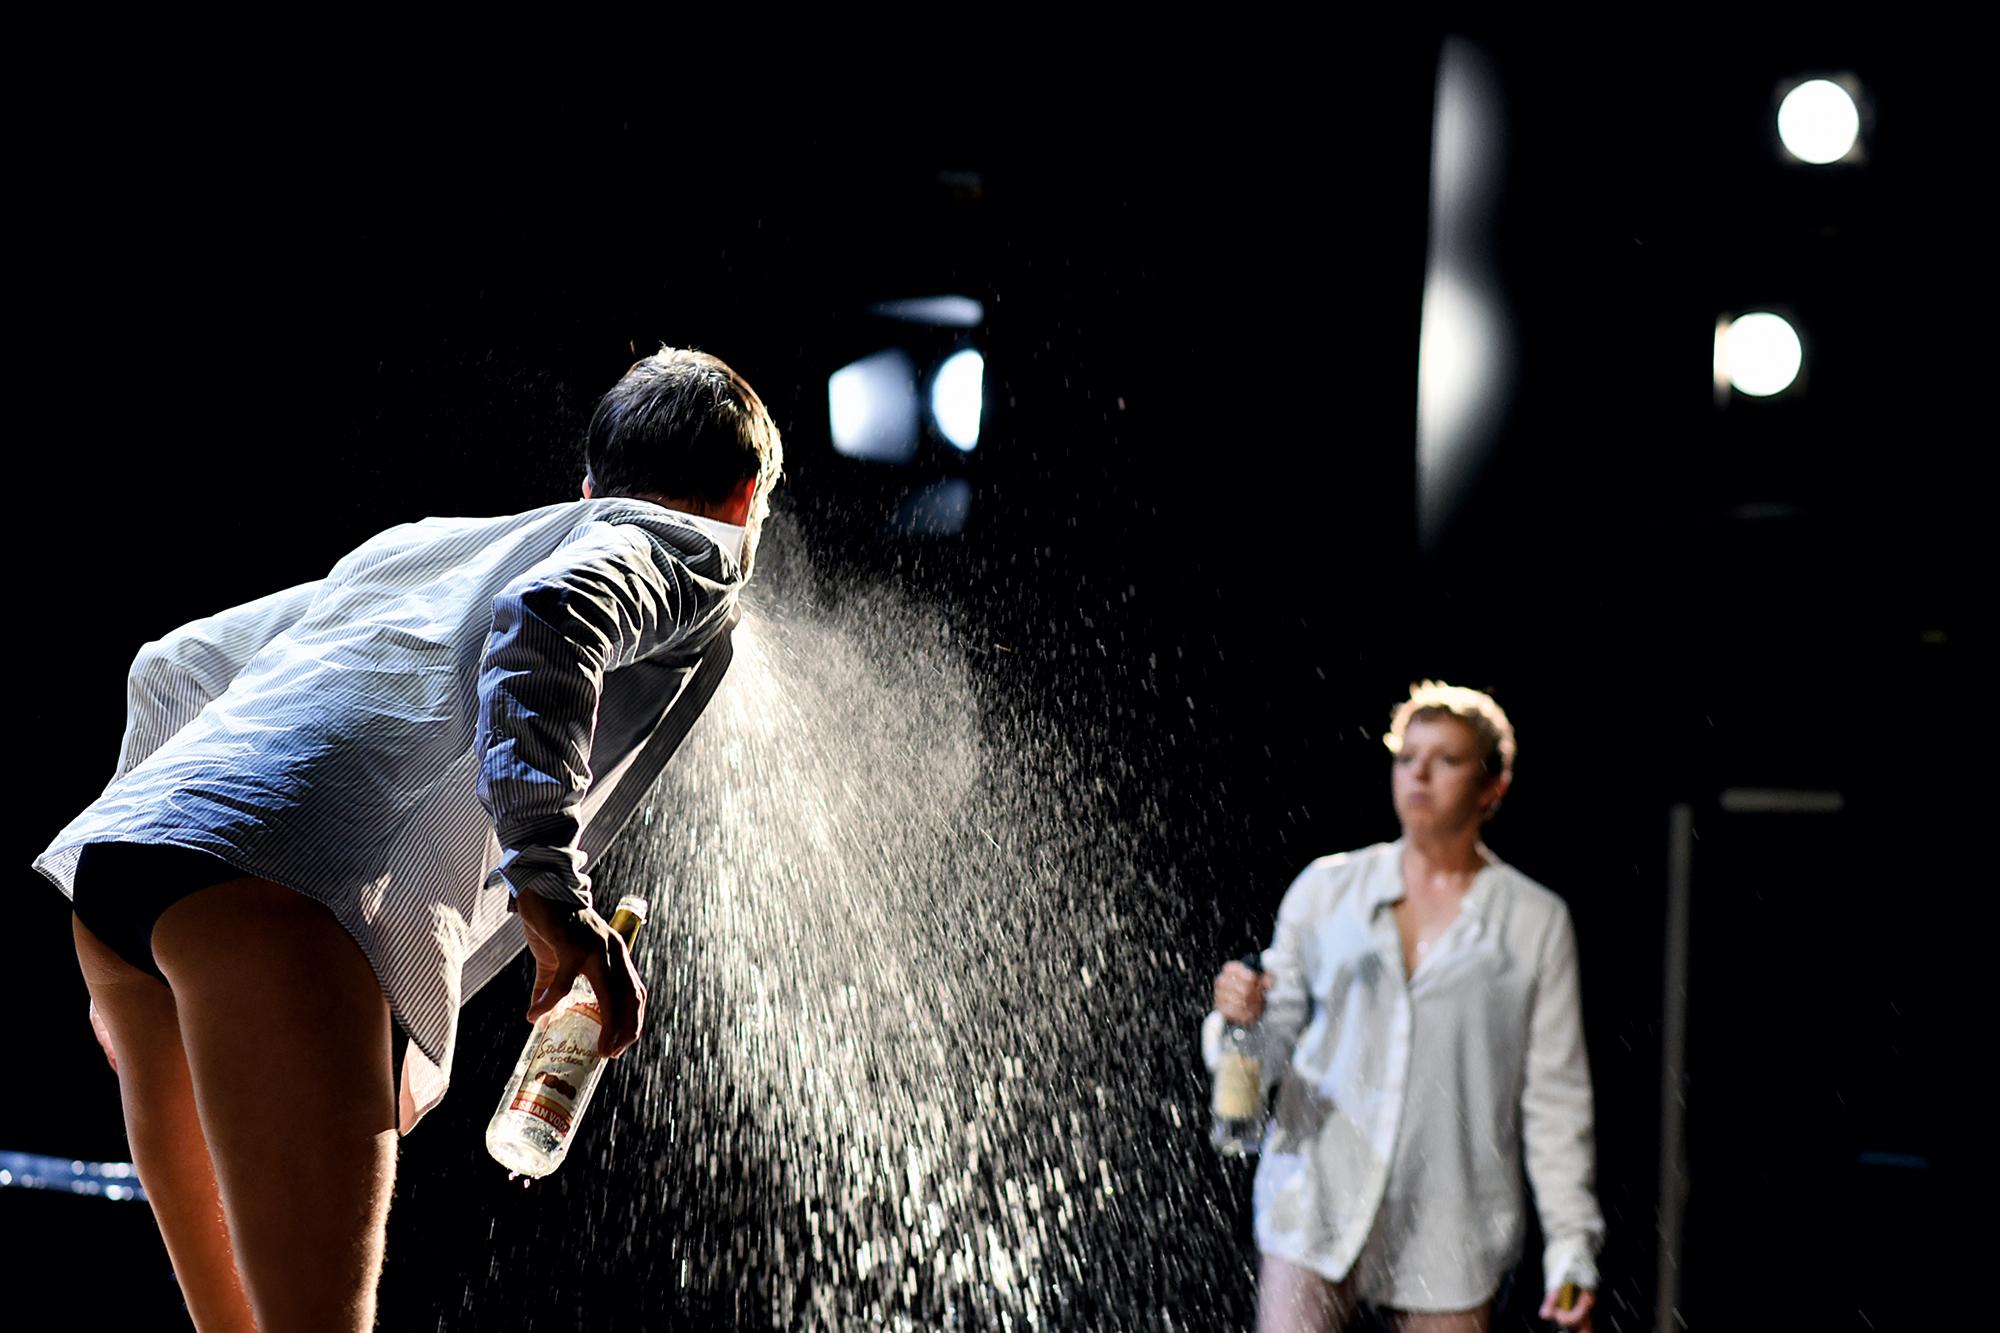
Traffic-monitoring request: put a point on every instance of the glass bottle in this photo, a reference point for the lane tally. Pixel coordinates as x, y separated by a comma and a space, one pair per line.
1238, 1101
559, 1068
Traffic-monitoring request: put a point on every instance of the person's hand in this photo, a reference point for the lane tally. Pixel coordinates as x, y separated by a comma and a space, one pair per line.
567, 944
1239, 993
1577, 1316
103, 1036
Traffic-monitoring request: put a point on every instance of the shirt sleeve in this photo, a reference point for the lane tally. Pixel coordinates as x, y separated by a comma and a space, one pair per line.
173, 678
1557, 1122
601, 602
1287, 1005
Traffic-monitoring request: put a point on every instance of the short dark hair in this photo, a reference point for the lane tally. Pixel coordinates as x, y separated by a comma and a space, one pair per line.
682, 425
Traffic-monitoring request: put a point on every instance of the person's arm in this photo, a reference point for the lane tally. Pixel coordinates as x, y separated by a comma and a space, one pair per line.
596, 604
1557, 1122
174, 677
1287, 1006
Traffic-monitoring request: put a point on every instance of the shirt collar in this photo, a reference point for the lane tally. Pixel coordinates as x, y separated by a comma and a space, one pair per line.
1385, 879
1385, 883
728, 536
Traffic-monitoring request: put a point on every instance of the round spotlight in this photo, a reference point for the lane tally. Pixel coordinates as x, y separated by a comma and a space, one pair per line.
957, 393
872, 407
1758, 353
1818, 122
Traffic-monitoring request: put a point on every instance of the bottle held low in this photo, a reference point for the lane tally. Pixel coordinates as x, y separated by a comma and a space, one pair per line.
559, 1069
1237, 1103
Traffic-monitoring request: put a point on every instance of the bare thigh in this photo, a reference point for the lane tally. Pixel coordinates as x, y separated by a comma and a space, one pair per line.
141, 1031
1293, 1299
287, 1038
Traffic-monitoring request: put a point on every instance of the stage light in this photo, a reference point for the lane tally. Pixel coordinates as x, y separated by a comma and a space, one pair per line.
1459, 351
938, 510
872, 407
1465, 354
1818, 122
1759, 354
943, 312
957, 393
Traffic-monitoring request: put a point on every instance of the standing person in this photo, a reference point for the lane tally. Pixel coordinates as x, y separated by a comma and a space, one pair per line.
334, 804
1420, 1007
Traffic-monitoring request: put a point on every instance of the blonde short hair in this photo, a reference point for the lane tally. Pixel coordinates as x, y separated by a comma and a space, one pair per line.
1434, 698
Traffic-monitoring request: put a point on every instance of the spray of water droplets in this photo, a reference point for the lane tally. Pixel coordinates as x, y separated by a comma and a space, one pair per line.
920, 1046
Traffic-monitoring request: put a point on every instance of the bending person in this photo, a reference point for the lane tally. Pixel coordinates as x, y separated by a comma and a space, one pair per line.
1420, 1008
341, 809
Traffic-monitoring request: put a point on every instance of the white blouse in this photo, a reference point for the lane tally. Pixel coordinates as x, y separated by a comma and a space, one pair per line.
1405, 1108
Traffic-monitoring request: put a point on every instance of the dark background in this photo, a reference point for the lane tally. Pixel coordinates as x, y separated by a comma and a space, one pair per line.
265, 321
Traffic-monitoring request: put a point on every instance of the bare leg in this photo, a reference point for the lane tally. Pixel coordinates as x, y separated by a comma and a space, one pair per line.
1291, 1299
287, 1040
167, 1144
1479, 1320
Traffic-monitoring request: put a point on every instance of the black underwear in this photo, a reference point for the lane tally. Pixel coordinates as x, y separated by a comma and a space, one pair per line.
123, 888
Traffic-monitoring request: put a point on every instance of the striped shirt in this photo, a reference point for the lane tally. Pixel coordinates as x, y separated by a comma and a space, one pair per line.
461, 704
1406, 1107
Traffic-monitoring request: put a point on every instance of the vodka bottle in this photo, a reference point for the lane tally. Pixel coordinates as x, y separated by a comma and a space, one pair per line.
1238, 1101
558, 1070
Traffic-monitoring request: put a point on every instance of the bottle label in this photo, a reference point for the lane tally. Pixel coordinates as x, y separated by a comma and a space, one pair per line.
1239, 1086
560, 1066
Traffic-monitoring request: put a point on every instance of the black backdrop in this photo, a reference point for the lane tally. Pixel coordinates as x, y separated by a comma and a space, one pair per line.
261, 328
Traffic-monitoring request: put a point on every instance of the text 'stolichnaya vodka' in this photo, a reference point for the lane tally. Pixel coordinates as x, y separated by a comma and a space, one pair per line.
558, 1070
1238, 1101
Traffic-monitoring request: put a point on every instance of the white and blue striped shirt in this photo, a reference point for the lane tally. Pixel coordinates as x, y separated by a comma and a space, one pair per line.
460, 703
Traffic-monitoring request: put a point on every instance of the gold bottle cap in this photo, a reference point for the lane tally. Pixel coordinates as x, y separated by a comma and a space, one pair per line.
631, 915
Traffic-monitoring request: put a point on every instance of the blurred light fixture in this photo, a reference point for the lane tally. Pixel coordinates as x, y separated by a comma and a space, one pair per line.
872, 407
1465, 354
1757, 354
943, 312
938, 510
1818, 122
957, 394
1461, 351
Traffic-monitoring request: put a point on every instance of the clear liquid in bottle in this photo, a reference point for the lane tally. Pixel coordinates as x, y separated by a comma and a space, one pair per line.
1237, 1103
536, 1121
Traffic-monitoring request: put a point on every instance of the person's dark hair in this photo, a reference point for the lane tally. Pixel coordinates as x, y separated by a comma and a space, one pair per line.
681, 425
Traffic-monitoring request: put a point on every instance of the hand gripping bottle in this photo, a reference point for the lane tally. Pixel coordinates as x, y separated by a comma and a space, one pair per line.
558, 1070
1238, 1102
